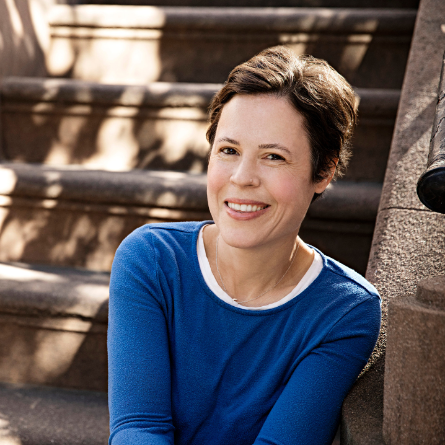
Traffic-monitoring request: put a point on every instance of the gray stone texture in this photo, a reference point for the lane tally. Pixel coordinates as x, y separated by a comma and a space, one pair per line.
362, 417
414, 394
31, 415
409, 241
368, 46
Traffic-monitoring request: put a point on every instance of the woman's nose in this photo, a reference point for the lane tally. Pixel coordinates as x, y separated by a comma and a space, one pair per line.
245, 174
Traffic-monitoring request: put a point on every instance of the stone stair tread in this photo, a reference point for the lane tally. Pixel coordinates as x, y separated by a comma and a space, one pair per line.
346, 20
155, 94
167, 189
38, 415
373, 101
50, 291
264, 3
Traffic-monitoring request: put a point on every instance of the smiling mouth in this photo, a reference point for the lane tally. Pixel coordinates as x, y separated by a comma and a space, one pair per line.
245, 208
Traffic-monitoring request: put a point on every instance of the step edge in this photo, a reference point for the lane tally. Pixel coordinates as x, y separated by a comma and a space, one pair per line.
374, 101
391, 21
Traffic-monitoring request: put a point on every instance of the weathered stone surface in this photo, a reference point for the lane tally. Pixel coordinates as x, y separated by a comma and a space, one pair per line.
24, 37
77, 217
163, 189
274, 3
362, 417
431, 292
45, 291
409, 242
414, 395
60, 122
350, 201
369, 47
157, 126
32, 415
409, 151
53, 326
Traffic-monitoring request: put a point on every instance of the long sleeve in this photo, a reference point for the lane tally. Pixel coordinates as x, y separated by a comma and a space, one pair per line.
138, 351
186, 368
308, 410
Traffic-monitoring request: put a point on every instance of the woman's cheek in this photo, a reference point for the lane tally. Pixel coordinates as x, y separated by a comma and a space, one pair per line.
217, 177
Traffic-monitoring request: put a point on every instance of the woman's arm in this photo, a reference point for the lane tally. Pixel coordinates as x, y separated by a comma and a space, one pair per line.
138, 352
308, 410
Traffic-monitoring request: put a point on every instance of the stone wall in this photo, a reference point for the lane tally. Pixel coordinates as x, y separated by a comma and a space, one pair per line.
409, 239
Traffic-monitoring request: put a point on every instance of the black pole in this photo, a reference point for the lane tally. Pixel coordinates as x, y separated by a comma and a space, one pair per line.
431, 184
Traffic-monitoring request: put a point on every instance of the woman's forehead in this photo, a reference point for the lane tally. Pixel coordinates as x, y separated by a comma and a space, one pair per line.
267, 119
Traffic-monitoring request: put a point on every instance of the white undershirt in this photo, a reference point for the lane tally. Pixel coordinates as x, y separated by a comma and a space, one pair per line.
308, 278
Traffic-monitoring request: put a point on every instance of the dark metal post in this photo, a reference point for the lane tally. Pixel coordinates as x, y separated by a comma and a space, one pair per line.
431, 184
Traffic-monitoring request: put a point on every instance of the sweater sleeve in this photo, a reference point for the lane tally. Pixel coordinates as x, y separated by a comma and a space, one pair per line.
138, 353
308, 410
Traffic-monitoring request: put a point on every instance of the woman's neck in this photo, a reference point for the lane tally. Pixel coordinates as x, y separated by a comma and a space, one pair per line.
246, 274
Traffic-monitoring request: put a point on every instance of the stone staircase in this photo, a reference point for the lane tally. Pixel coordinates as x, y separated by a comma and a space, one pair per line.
114, 137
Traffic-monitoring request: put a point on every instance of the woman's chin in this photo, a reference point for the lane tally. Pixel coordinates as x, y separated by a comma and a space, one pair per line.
242, 238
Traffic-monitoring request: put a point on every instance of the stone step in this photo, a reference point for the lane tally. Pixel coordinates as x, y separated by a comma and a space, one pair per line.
33, 415
157, 126
141, 44
53, 326
408, 4
73, 216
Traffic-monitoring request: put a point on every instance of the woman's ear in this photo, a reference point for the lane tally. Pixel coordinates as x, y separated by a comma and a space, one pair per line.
321, 185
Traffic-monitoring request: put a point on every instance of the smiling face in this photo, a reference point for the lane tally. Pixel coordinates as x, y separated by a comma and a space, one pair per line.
259, 177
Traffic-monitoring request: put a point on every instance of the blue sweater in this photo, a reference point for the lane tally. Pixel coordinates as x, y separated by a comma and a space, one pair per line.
187, 368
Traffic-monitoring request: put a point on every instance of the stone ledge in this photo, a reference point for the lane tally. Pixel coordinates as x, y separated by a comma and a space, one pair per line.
33, 415
69, 91
354, 201
53, 292
405, 4
381, 103
162, 189
327, 20
167, 189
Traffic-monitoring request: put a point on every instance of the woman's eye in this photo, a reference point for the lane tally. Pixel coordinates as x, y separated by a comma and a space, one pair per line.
274, 157
228, 151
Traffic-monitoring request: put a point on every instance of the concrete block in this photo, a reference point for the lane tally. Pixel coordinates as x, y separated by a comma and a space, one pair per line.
53, 326
31, 415
141, 44
414, 394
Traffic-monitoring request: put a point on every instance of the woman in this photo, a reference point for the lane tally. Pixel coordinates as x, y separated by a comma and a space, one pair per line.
235, 332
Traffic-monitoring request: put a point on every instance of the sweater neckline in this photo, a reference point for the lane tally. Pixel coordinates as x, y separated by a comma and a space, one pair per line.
242, 310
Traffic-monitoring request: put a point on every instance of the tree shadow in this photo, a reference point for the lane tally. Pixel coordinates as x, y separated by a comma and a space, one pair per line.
162, 126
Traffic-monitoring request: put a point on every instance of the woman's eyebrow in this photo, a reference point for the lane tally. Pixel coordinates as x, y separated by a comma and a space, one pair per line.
229, 140
276, 146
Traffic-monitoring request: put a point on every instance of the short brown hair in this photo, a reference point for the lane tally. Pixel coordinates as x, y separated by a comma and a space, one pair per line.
324, 98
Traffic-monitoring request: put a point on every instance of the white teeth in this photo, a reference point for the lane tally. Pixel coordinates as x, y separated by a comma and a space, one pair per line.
244, 207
